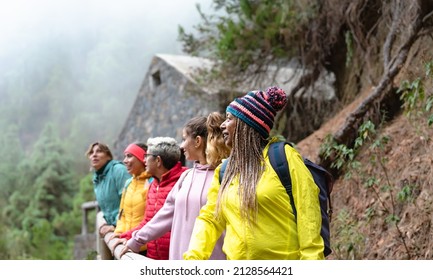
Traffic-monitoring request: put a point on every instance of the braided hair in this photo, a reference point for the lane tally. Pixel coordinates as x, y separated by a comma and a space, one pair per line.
247, 164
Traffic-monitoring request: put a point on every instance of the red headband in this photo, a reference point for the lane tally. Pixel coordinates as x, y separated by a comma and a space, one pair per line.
136, 151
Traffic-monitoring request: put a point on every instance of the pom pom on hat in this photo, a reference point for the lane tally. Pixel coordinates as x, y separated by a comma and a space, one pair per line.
258, 108
276, 97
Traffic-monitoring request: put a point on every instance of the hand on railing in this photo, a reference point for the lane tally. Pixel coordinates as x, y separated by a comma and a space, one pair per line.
125, 249
118, 241
112, 243
115, 235
104, 229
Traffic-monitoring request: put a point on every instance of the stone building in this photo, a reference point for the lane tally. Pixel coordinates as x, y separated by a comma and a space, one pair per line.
169, 96
171, 93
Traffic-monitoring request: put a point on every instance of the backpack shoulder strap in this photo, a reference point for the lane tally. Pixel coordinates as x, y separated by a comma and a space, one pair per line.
277, 157
223, 169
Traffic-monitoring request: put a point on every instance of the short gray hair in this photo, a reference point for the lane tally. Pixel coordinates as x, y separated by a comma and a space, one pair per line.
165, 147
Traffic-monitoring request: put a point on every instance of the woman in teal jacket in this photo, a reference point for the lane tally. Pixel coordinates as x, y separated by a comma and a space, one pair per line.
109, 177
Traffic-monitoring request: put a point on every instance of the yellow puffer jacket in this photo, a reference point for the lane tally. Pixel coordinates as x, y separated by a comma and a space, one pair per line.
275, 234
133, 203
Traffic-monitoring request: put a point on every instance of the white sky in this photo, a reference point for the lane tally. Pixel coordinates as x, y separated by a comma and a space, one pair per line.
23, 19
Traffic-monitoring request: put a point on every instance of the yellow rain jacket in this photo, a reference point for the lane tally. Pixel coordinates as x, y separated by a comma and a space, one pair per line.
133, 203
275, 234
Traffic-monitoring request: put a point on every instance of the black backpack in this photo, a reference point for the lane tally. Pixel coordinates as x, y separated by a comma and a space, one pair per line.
321, 176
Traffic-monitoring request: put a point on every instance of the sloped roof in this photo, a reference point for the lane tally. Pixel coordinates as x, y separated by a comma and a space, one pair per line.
284, 77
187, 65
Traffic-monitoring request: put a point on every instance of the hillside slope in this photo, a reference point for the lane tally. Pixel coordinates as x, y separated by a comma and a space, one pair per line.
384, 209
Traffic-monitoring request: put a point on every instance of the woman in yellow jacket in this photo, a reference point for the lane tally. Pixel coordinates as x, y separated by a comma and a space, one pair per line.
251, 204
133, 201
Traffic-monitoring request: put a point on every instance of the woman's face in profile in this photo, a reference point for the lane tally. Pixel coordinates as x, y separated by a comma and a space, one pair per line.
133, 164
190, 146
228, 128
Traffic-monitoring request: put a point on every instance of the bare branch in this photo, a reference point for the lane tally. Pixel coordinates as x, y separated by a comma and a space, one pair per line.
427, 16
387, 46
347, 133
426, 31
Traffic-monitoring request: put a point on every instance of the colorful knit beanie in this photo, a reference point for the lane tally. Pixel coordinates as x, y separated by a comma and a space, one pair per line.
258, 109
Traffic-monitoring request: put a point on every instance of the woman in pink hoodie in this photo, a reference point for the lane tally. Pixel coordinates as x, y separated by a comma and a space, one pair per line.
189, 194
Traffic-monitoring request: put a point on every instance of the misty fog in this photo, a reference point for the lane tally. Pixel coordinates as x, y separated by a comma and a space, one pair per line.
79, 64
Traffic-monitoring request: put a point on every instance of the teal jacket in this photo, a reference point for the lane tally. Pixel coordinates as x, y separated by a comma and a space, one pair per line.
108, 184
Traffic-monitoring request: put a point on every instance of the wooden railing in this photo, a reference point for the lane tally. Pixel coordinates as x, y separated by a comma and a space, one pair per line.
86, 207
106, 249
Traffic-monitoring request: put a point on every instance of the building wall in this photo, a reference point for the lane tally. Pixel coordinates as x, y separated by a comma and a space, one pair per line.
166, 101
168, 98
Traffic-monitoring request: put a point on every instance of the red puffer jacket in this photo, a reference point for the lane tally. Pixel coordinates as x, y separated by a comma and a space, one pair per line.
158, 190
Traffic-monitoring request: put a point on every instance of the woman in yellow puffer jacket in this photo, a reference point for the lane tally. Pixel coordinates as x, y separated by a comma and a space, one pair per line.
133, 201
251, 204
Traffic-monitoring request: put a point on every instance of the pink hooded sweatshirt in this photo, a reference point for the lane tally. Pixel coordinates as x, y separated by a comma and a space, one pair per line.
178, 214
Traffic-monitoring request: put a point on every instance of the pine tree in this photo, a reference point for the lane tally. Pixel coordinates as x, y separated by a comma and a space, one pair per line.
47, 186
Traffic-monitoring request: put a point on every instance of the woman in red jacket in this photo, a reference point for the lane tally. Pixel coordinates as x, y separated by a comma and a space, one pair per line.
163, 164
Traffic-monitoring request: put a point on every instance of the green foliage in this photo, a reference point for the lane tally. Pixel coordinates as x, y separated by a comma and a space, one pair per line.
13, 211
342, 154
68, 223
376, 182
412, 95
91, 255
348, 238
43, 195
50, 178
17, 244
246, 31
343, 157
45, 245
406, 194
12, 153
80, 85
392, 219
417, 100
83, 84
369, 213
3, 243
86, 192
